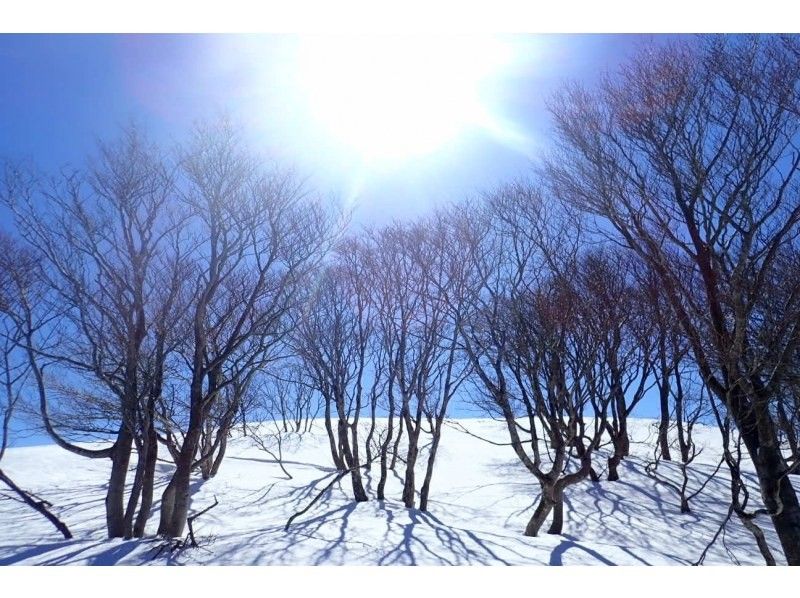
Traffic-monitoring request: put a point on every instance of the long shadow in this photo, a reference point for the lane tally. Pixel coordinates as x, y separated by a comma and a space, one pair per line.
34, 551
114, 554
450, 537
66, 558
303, 531
634, 555
557, 556
404, 548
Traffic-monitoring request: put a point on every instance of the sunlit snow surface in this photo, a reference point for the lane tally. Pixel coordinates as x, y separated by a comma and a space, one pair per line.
481, 499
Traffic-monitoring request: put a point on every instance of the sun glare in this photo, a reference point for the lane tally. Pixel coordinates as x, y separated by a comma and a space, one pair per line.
390, 98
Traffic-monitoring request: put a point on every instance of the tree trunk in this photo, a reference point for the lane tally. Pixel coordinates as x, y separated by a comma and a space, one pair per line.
540, 514
206, 450
136, 490
580, 451
663, 399
115, 495
426, 484
685, 505
370, 434
39, 506
396, 448
147, 484
758, 433
758, 534
409, 483
384, 448
175, 500
787, 521
351, 462
613, 462
335, 447
223, 445
557, 524
624, 439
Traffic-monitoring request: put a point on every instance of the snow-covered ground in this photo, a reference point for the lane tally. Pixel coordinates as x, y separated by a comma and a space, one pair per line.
481, 499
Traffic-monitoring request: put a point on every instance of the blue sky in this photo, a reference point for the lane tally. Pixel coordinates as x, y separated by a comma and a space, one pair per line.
59, 94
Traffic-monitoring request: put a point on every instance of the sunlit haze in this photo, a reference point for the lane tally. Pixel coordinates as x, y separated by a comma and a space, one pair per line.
393, 98
389, 126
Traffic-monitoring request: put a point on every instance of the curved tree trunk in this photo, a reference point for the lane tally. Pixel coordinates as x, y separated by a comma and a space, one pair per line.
136, 490
351, 461
557, 524
223, 446
540, 514
396, 447
663, 399
175, 499
384, 448
336, 454
613, 462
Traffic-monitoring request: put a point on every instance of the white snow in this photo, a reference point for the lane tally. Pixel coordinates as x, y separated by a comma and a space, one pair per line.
481, 499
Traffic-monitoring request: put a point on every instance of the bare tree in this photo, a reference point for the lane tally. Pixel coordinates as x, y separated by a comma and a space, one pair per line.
626, 341
282, 407
98, 236
416, 303
334, 341
532, 339
669, 355
444, 286
691, 406
740, 495
689, 157
16, 267
256, 240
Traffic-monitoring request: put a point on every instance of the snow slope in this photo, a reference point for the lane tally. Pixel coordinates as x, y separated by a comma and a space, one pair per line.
481, 499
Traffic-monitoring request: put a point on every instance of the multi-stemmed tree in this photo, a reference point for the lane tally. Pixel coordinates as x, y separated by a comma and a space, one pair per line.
256, 240
100, 236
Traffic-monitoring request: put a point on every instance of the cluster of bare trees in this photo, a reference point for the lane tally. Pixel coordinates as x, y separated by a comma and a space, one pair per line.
690, 159
655, 250
160, 286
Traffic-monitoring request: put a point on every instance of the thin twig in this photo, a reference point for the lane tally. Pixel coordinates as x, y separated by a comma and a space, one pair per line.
191, 518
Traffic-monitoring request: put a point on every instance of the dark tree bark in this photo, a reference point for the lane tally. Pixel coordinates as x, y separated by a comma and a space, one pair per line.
690, 157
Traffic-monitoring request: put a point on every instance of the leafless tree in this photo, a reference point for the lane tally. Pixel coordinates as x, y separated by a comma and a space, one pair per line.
256, 239
626, 341
444, 282
689, 157
16, 267
691, 406
334, 341
99, 236
740, 495
532, 338
282, 407
417, 308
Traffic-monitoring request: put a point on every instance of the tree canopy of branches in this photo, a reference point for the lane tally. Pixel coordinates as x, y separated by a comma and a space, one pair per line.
690, 159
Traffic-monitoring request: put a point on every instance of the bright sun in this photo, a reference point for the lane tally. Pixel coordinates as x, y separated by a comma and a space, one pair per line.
390, 98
